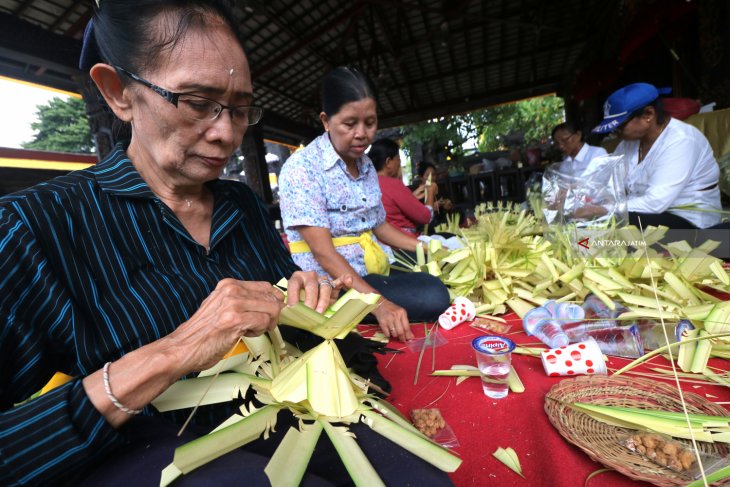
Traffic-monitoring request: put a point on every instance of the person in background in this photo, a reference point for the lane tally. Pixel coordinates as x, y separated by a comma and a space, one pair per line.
670, 163
425, 170
577, 154
402, 209
333, 215
146, 268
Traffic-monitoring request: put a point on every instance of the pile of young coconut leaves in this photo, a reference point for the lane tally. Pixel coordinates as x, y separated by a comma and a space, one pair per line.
315, 386
509, 262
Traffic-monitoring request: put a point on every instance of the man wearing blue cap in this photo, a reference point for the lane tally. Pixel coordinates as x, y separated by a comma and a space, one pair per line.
671, 166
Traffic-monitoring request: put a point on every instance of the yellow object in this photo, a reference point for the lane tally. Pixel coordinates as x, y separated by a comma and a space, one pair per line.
714, 126
376, 261
237, 349
18, 163
58, 379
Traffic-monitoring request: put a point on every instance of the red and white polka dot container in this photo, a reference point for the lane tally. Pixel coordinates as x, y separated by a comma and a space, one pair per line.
461, 310
583, 358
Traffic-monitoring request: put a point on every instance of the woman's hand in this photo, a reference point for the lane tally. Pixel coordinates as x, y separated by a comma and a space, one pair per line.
420, 192
319, 292
234, 309
393, 320
589, 211
433, 189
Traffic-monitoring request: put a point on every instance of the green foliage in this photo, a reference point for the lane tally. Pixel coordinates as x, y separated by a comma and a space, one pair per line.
535, 118
62, 126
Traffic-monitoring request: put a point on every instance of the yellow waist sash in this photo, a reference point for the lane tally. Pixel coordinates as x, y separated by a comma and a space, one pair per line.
376, 260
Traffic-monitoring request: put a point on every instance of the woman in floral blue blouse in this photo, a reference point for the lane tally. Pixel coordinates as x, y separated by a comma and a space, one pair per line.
333, 215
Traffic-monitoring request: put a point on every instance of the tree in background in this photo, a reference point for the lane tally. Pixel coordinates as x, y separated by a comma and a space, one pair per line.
534, 118
62, 126
443, 138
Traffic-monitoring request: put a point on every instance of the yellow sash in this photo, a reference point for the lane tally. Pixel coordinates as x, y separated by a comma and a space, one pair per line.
376, 260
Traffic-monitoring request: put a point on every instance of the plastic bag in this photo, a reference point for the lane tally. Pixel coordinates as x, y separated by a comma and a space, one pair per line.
432, 424
675, 455
587, 206
432, 339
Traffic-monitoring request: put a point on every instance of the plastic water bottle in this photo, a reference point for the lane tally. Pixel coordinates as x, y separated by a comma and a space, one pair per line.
622, 341
578, 331
550, 333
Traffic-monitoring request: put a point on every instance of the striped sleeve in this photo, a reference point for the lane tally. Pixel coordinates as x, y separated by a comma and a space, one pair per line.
32, 301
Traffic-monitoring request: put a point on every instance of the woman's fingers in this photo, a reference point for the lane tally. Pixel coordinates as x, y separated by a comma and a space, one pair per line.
303, 281
319, 291
233, 309
393, 321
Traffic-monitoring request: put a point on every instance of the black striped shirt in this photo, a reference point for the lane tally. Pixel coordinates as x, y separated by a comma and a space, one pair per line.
94, 265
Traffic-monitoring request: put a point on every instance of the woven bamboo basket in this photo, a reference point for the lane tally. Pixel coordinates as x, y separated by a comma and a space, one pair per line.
603, 442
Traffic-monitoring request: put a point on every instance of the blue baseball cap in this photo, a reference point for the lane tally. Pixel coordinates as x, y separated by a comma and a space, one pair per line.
622, 103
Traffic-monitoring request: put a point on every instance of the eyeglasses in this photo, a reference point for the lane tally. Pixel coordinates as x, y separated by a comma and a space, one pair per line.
199, 108
563, 140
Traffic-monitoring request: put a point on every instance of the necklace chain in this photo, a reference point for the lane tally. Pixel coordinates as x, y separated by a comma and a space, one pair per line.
642, 154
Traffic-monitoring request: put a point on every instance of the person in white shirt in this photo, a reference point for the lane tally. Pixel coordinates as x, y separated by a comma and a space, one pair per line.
578, 154
670, 163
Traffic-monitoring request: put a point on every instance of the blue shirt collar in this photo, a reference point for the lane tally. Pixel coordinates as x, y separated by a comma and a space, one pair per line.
117, 175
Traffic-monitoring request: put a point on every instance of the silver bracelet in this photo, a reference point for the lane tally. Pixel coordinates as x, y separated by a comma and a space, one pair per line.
112, 397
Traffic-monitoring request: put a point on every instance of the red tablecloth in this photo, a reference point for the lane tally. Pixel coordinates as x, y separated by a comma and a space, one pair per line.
481, 424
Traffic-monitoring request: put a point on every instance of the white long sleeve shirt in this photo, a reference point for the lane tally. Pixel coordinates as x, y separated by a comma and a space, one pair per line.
575, 166
679, 169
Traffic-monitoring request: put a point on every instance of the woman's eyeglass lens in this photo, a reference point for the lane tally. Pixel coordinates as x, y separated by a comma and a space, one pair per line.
202, 109
199, 108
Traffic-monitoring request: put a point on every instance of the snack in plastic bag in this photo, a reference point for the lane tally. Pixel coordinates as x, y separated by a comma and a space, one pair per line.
663, 451
432, 424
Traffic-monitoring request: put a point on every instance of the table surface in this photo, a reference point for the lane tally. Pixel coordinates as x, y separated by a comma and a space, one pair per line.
481, 424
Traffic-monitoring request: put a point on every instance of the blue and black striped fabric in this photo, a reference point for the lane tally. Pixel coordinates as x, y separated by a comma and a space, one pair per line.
94, 265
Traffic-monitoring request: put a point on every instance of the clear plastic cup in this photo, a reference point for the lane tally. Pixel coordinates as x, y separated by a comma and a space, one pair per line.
622, 341
594, 306
551, 334
533, 317
551, 306
569, 313
494, 359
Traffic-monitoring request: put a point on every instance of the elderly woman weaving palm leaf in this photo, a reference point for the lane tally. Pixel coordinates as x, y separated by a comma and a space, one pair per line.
146, 267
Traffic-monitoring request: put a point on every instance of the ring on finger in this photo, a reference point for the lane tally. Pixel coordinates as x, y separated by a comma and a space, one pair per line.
326, 282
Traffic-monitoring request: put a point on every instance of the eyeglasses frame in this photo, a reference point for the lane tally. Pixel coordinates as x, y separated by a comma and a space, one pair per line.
174, 97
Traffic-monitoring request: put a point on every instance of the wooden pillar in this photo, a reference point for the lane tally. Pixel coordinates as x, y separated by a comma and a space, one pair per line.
254, 162
714, 16
101, 119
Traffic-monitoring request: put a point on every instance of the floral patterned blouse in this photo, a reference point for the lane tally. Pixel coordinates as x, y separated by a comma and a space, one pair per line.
316, 190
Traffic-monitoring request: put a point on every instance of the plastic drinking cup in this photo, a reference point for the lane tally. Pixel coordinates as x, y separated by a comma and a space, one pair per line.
575, 359
533, 317
551, 334
494, 359
459, 312
569, 313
